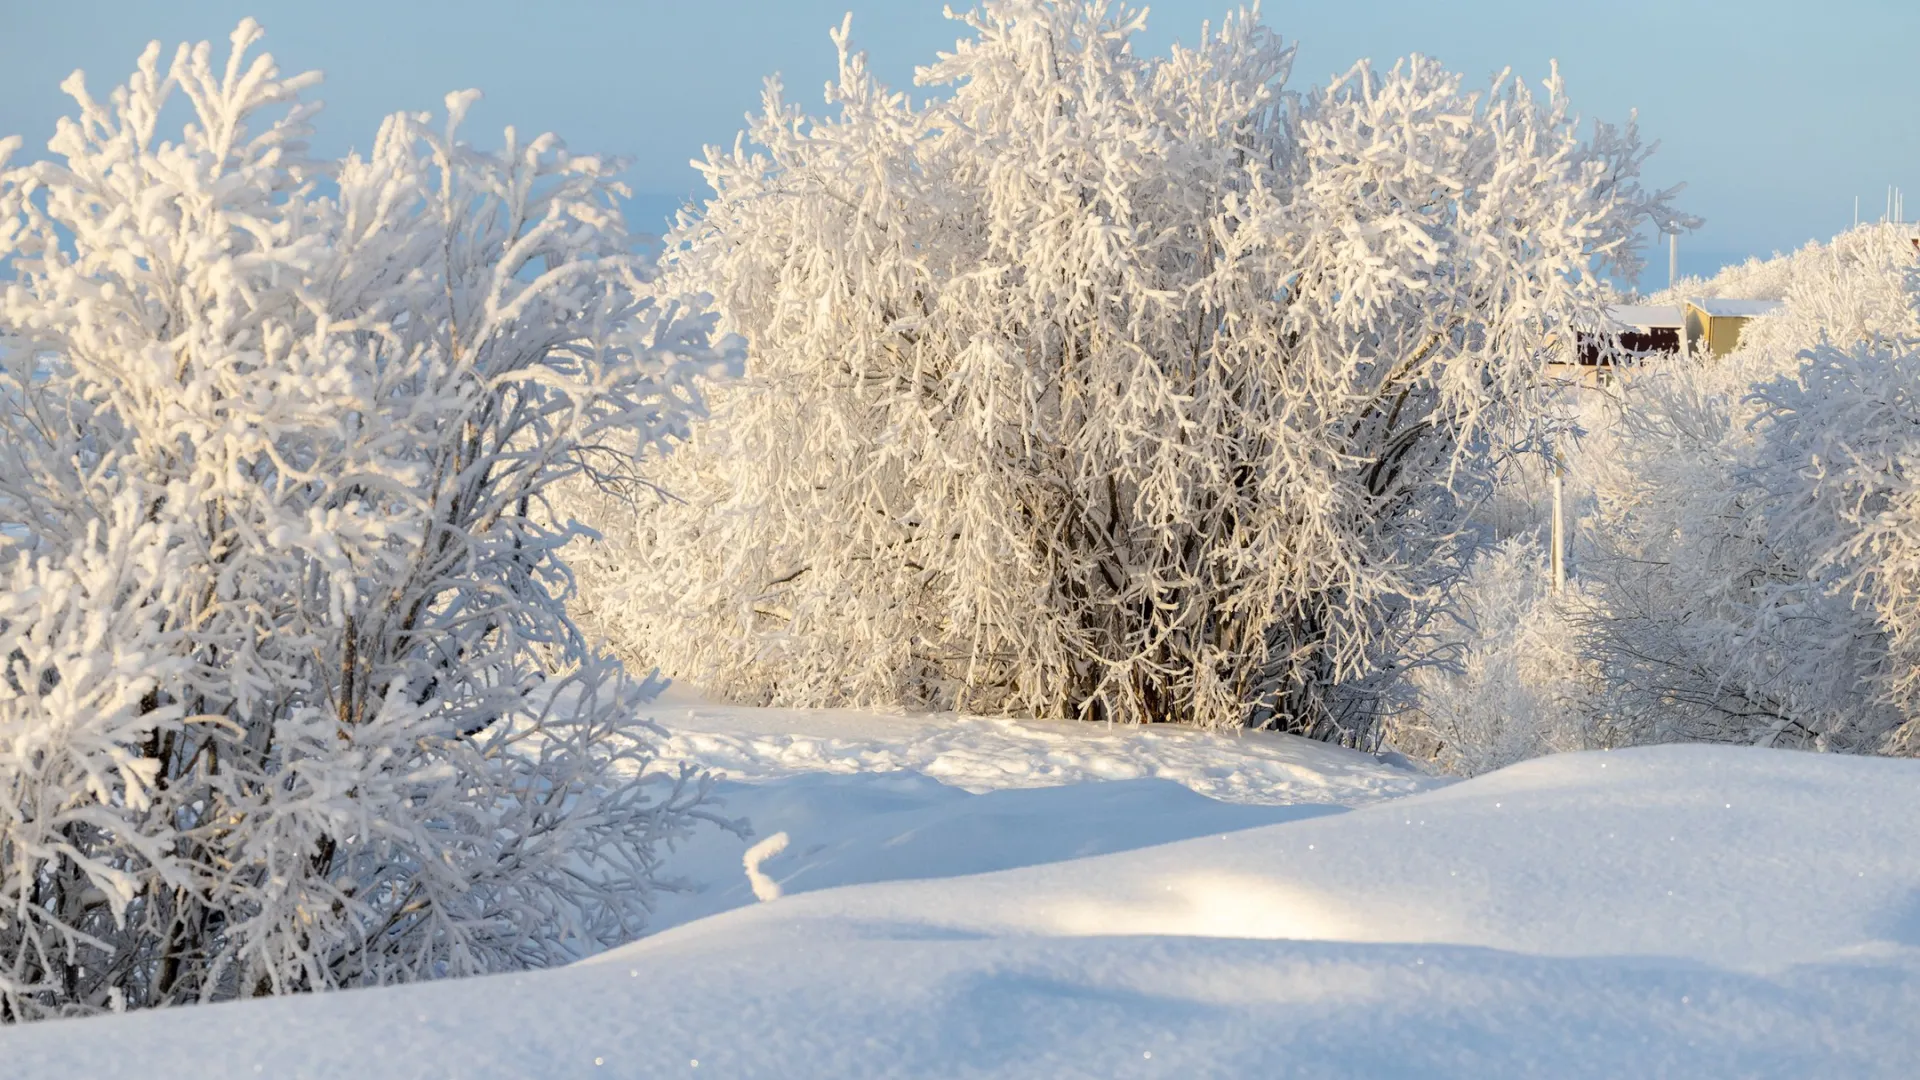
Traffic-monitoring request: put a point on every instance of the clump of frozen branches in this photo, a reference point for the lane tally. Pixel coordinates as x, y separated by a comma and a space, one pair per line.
1108, 386
1507, 675
291, 700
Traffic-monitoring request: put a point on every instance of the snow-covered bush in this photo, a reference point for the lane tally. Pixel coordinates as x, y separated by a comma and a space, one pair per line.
1843, 437
1508, 675
1755, 279
1750, 547
291, 699
1814, 274
1105, 386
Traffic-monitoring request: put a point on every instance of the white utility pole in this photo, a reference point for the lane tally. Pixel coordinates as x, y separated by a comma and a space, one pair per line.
1559, 529
1673, 258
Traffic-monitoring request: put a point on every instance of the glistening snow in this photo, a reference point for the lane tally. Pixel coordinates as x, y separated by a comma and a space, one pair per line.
1670, 911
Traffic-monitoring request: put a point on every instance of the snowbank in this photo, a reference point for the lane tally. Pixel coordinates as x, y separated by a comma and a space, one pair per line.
868, 797
1673, 911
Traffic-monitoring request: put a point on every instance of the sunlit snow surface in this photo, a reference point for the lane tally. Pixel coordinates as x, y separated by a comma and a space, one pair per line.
870, 797
1678, 911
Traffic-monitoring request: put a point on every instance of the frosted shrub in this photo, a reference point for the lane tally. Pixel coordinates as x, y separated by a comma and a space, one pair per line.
1845, 453
1813, 274
1751, 549
291, 700
1104, 386
1509, 676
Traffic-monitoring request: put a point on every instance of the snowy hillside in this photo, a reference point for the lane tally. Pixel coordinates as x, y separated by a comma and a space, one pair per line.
1673, 911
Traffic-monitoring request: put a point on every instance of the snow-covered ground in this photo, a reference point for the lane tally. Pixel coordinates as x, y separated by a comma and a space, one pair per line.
866, 797
969, 897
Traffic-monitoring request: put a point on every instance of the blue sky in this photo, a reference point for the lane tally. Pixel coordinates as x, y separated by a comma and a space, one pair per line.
1776, 113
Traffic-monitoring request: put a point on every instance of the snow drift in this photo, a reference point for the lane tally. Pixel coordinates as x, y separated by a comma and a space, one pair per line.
1679, 911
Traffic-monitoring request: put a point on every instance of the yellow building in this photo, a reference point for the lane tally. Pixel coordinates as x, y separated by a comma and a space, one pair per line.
1713, 326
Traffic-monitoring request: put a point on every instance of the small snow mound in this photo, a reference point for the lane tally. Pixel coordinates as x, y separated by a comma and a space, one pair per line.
765, 889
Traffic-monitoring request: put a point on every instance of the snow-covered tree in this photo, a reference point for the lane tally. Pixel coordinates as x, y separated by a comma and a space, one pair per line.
1106, 386
291, 699
1755, 529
